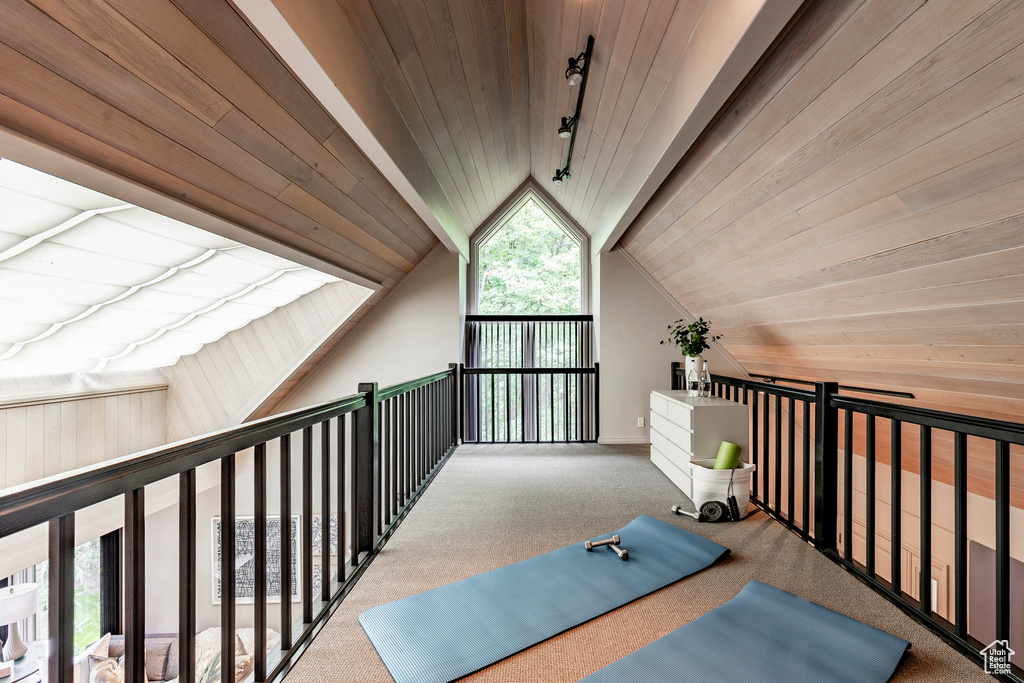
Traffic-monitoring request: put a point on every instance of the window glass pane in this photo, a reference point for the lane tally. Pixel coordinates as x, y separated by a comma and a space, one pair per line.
529, 266
87, 596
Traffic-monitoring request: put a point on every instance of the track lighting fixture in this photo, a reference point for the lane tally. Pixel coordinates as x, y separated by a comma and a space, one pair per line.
575, 74
565, 130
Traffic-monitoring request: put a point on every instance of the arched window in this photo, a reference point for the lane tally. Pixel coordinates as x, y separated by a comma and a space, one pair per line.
530, 260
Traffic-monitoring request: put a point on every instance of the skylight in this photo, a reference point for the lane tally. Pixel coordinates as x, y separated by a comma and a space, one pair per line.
89, 283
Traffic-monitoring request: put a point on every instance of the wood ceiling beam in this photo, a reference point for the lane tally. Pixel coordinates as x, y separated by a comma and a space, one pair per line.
317, 41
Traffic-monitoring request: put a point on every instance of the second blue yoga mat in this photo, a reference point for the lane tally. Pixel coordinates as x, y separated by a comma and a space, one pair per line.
449, 632
767, 635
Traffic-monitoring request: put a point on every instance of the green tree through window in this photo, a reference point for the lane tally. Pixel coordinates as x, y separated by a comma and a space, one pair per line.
529, 266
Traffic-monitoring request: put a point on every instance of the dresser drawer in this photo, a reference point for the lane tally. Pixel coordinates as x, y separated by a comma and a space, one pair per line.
681, 415
673, 432
659, 405
670, 450
677, 476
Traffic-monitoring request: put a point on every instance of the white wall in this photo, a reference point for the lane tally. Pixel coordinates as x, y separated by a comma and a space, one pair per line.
416, 332
632, 317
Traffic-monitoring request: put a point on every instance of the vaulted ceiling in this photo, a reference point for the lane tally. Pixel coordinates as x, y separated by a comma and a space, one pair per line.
478, 89
852, 214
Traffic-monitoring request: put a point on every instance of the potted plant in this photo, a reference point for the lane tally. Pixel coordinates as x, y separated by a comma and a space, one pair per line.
693, 339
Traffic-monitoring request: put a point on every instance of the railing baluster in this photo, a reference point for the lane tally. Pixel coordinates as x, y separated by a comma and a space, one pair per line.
754, 438
307, 525
227, 564
62, 598
421, 441
766, 451
384, 508
285, 517
341, 462
1002, 540
135, 584
778, 456
407, 424
869, 487
806, 518
926, 522
825, 465
896, 505
551, 411
325, 510
259, 563
187, 576
365, 469
396, 431
848, 485
110, 582
791, 503
960, 530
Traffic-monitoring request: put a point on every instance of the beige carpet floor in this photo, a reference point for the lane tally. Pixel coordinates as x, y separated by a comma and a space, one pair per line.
494, 505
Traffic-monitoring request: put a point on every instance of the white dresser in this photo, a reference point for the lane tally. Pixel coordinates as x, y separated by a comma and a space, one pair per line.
687, 427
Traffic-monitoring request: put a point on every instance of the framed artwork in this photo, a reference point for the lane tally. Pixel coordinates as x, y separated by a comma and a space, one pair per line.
245, 552
317, 584
318, 535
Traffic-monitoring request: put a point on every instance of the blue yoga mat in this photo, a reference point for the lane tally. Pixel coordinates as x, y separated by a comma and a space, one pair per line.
449, 632
764, 634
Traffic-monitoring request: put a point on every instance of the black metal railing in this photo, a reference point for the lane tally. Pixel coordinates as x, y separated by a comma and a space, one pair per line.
529, 341
531, 405
781, 426
377, 451
783, 416
529, 379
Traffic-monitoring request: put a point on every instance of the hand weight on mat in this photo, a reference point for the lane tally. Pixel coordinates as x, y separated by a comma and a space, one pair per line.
623, 554
590, 545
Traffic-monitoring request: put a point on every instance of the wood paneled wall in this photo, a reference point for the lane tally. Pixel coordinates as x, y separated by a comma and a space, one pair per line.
856, 214
233, 379
185, 98
41, 437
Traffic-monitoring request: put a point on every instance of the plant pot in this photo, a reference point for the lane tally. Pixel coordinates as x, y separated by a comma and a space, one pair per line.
693, 366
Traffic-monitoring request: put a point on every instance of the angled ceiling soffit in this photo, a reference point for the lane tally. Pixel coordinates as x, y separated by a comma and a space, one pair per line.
317, 41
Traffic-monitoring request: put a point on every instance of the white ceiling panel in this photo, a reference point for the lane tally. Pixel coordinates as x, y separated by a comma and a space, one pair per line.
89, 283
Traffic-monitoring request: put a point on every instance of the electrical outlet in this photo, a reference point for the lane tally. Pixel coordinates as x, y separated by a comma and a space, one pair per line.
639, 422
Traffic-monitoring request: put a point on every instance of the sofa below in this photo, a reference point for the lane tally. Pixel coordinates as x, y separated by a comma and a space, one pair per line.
162, 653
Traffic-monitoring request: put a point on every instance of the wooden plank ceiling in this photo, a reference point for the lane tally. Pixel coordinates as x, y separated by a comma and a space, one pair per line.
481, 86
185, 98
857, 213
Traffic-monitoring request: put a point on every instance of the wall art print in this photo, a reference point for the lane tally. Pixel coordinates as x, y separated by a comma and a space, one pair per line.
245, 552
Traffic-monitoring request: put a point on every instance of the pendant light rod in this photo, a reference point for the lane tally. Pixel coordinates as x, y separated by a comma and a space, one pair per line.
573, 122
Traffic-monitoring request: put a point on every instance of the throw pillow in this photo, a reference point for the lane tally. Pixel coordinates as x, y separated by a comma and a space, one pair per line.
243, 667
105, 670
80, 665
145, 674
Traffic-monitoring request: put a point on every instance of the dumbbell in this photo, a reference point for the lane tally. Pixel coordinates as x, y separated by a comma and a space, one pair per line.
623, 554
677, 510
590, 545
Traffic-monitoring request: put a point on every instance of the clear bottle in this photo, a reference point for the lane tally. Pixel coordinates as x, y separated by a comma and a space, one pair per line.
704, 383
